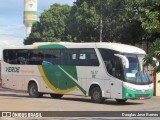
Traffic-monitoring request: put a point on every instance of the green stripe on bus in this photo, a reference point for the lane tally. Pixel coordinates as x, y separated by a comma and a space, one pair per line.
51, 46
52, 87
61, 77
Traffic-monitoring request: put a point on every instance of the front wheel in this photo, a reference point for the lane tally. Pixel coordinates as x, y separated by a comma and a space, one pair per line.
33, 91
56, 96
121, 100
96, 95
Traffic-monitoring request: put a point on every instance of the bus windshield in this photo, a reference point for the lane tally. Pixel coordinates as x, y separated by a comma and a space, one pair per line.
135, 73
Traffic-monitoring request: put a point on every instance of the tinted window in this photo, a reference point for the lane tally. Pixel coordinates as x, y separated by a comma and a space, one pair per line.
113, 64
52, 57
10, 56
70, 57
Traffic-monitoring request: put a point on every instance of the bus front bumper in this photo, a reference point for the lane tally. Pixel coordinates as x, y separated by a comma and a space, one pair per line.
130, 94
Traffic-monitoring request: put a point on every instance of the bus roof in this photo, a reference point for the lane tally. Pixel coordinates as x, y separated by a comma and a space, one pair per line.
108, 45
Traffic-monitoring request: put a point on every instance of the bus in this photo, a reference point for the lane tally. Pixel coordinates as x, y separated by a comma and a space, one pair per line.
99, 70
0, 75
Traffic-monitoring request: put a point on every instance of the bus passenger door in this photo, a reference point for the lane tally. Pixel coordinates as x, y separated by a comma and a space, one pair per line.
115, 72
116, 88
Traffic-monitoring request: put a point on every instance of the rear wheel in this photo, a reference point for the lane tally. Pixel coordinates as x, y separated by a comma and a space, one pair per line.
96, 95
56, 96
121, 100
33, 91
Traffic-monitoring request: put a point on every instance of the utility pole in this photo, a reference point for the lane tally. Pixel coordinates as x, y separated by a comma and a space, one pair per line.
101, 22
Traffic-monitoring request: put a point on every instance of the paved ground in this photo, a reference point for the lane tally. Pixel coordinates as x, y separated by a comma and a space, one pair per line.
13, 101
16, 101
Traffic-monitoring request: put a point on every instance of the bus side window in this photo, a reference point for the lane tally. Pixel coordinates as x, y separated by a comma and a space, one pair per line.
112, 63
12, 57
93, 60
21, 60
6, 56
82, 60
36, 58
73, 59
108, 65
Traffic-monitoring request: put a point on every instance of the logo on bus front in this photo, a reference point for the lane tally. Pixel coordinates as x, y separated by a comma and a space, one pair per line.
13, 69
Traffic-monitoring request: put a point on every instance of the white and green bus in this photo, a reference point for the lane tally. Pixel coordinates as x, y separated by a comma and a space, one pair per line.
100, 70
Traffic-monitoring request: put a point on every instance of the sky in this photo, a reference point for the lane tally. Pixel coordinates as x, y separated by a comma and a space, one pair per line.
12, 29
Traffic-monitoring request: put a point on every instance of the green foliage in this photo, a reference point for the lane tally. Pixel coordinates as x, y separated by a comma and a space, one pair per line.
150, 15
52, 26
53, 22
35, 35
153, 57
150, 22
125, 21
121, 22
85, 20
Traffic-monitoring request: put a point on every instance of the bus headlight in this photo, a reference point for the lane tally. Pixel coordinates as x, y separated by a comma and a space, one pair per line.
129, 87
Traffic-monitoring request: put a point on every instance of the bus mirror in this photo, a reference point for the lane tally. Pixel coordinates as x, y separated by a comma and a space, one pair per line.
156, 61
124, 60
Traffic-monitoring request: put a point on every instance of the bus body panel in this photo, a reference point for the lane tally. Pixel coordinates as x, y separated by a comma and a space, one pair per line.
76, 79
116, 88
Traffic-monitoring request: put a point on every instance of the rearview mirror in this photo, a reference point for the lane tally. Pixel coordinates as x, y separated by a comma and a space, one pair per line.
156, 61
124, 60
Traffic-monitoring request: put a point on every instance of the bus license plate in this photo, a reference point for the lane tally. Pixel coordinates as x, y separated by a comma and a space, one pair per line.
141, 98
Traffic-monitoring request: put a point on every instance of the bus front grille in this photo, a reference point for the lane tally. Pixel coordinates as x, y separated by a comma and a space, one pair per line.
141, 95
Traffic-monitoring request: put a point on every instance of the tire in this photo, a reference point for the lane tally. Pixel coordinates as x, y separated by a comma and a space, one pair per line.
56, 96
33, 91
96, 95
121, 100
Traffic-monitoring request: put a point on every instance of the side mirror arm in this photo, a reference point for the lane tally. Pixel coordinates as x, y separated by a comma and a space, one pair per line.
124, 59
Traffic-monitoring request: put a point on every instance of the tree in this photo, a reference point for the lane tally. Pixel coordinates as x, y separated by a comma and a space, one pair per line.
52, 26
153, 58
120, 23
84, 22
150, 19
53, 22
125, 21
35, 35
149, 16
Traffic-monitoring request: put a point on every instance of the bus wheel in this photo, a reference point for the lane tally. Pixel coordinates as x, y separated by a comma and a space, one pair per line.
96, 95
121, 100
56, 96
33, 91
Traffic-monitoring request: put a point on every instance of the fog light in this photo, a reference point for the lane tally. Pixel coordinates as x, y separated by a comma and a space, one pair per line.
128, 95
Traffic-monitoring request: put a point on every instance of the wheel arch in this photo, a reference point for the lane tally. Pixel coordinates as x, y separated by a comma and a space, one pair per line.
32, 81
93, 85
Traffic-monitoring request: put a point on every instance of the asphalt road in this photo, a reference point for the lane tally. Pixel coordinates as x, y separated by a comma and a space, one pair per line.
16, 101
